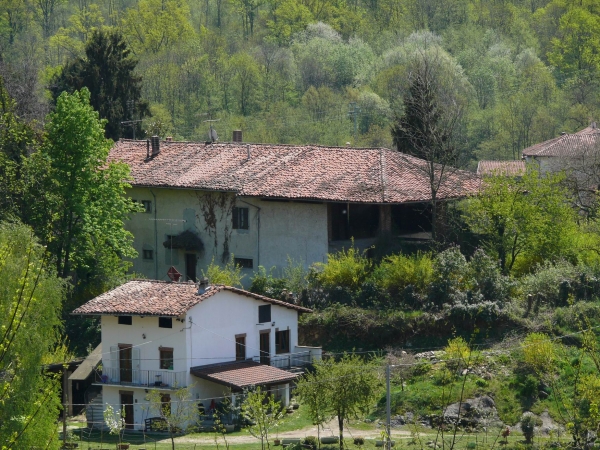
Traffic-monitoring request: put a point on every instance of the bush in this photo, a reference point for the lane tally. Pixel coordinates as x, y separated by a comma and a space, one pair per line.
450, 273
487, 278
347, 269
230, 275
551, 282
528, 423
359, 440
397, 272
310, 441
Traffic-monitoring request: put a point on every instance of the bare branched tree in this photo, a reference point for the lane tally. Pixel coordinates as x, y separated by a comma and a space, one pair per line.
430, 126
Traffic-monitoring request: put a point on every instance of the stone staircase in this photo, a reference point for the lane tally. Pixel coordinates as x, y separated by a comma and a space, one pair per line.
94, 414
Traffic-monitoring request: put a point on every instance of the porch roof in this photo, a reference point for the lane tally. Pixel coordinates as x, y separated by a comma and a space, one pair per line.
241, 374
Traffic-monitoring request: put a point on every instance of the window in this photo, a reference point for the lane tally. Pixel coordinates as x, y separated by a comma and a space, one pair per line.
264, 313
165, 322
244, 263
166, 358
125, 320
147, 204
240, 347
282, 341
148, 254
165, 400
240, 218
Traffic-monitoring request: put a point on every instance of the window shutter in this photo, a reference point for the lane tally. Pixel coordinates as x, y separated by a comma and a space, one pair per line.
135, 364
235, 216
264, 313
114, 357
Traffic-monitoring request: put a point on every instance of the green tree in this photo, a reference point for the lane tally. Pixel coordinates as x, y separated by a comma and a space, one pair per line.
310, 392
263, 413
108, 72
81, 219
177, 410
523, 221
30, 304
349, 388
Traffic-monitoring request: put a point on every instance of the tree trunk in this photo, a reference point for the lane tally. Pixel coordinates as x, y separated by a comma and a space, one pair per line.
341, 425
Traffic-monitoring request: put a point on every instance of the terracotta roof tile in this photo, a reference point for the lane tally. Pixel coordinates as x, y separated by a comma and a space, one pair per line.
567, 145
241, 374
161, 298
508, 168
288, 171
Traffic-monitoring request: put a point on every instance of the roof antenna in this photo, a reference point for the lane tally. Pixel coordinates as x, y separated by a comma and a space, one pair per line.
212, 133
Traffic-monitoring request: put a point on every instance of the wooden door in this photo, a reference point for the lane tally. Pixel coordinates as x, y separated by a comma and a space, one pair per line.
265, 348
127, 406
125, 364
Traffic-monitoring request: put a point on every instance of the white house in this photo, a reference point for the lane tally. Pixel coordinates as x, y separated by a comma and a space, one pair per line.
267, 203
217, 340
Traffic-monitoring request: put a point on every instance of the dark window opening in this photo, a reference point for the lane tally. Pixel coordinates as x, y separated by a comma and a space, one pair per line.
148, 254
165, 400
282, 341
264, 313
165, 322
190, 266
353, 221
166, 358
240, 348
240, 218
147, 204
411, 218
125, 320
244, 263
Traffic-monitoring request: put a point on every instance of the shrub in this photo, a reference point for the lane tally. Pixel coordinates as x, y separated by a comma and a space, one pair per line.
229, 275
396, 272
359, 440
551, 282
310, 441
450, 273
347, 268
487, 278
264, 283
528, 423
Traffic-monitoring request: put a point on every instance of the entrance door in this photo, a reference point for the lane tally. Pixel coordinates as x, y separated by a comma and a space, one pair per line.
127, 406
125, 364
190, 267
265, 348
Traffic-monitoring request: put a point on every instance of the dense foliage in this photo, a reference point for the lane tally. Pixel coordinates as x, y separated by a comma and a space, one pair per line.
286, 71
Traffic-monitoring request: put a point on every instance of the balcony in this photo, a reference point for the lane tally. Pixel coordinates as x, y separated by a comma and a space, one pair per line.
293, 362
160, 379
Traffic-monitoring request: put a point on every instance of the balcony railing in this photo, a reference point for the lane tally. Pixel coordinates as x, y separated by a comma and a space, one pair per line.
289, 361
143, 378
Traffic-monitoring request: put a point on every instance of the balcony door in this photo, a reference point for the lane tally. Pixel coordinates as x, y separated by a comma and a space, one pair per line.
125, 363
265, 347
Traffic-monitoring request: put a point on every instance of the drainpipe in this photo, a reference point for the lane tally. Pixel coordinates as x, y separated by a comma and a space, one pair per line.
155, 238
257, 231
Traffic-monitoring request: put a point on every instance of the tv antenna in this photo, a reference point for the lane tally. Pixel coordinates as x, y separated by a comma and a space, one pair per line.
212, 133
131, 123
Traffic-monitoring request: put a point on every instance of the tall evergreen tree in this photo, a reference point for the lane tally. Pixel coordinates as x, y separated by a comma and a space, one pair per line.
107, 70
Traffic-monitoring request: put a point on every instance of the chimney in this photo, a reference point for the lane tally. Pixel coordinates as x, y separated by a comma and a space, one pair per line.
237, 135
248, 150
169, 139
203, 286
155, 140
147, 148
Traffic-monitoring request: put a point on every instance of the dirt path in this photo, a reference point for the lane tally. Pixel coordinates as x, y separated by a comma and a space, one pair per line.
331, 429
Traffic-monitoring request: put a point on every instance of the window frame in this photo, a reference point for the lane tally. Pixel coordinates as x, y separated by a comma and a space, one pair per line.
261, 316
147, 204
163, 319
244, 263
240, 218
278, 336
146, 253
240, 347
163, 361
121, 320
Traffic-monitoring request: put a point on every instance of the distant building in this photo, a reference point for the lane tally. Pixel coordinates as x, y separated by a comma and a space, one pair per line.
501, 168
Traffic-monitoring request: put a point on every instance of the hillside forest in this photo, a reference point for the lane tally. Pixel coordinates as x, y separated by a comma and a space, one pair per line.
317, 71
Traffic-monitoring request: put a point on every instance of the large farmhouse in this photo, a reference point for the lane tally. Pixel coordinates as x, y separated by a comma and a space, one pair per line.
267, 203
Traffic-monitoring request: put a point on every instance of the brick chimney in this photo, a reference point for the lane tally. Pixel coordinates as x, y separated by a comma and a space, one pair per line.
237, 135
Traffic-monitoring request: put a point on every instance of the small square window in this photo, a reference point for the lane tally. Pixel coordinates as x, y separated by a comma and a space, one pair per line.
264, 313
147, 204
148, 254
165, 322
240, 218
125, 320
244, 263
166, 358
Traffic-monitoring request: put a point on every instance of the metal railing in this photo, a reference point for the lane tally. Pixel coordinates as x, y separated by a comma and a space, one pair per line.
146, 378
289, 360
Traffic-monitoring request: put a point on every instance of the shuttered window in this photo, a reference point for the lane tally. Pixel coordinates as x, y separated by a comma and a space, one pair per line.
264, 313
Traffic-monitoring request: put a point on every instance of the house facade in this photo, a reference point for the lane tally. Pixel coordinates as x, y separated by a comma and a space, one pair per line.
216, 340
266, 204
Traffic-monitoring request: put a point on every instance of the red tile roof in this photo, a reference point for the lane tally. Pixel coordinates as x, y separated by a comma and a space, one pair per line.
567, 145
289, 171
161, 298
241, 374
507, 168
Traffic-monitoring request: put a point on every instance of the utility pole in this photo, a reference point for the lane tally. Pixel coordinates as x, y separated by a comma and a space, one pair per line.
388, 444
65, 392
354, 112
131, 123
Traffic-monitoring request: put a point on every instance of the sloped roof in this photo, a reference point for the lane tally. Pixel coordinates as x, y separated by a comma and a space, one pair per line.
241, 374
305, 172
161, 298
567, 145
88, 365
507, 168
